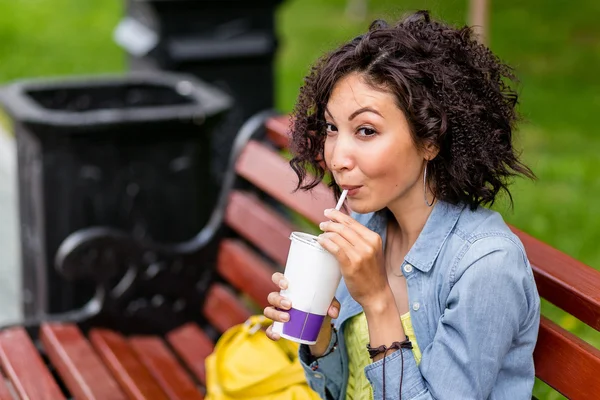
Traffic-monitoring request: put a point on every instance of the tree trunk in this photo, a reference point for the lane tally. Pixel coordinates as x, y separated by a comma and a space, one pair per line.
479, 11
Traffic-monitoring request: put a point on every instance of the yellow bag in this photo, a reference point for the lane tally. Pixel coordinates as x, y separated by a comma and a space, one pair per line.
247, 365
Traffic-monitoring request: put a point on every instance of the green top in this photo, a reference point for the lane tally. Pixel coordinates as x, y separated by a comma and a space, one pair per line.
356, 335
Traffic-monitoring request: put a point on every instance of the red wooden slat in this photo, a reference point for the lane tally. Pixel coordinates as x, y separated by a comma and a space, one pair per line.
262, 226
223, 309
192, 346
78, 365
169, 374
564, 281
278, 130
4, 391
566, 363
25, 367
239, 265
119, 357
271, 173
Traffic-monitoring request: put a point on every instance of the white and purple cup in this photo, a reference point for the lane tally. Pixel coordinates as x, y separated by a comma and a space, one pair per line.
313, 275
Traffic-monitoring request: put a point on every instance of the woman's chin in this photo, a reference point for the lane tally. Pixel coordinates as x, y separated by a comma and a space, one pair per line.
360, 207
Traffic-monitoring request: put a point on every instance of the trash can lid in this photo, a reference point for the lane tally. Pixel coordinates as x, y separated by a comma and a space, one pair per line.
190, 98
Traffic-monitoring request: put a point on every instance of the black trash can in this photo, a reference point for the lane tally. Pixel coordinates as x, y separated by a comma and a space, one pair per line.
128, 151
231, 44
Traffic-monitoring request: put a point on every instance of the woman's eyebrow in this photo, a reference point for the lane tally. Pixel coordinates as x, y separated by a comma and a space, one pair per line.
363, 110
327, 111
356, 113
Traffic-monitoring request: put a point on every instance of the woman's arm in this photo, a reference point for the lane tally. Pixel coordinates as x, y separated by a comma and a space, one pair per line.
385, 325
325, 374
359, 252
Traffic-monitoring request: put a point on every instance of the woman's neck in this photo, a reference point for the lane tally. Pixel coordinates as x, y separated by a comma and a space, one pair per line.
411, 219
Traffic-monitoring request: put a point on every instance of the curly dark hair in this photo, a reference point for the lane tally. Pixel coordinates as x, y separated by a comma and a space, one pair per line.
454, 91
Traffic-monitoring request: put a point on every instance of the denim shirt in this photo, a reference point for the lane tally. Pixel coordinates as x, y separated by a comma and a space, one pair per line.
474, 307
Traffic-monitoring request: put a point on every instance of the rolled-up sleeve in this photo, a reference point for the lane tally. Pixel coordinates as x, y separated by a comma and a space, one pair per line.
487, 306
325, 374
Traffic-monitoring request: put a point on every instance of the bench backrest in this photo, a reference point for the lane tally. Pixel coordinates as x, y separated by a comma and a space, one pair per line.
260, 245
107, 364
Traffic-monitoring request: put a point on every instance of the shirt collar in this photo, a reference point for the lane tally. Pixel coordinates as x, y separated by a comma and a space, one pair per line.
422, 255
438, 227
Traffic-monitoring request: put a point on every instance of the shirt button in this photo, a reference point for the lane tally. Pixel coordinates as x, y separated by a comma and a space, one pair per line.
318, 375
416, 306
408, 268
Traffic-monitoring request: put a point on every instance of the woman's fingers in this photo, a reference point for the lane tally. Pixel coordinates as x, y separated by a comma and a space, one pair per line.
334, 309
276, 315
346, 231
279, 280
338, 216
341, 249
278, 301
276, 311
355, 242
272, 335
352, 230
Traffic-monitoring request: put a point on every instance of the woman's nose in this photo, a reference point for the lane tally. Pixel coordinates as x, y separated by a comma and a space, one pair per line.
341, 154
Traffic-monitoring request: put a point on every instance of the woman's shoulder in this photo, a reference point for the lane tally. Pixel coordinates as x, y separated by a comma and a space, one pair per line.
489, 244
484, 224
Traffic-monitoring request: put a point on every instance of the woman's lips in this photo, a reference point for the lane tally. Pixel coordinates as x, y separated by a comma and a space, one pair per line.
352, 190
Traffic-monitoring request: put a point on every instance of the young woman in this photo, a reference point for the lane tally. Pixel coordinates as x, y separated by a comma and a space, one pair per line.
438, 299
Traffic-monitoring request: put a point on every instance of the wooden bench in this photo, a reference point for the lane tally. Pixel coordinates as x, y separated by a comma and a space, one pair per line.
71, 359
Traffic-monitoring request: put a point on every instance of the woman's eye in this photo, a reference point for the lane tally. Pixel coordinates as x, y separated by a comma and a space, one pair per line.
329, 128
366, 132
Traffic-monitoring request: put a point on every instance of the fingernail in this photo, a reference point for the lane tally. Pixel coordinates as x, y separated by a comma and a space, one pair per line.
286, 303
327, 211
322, 225
285, 317
283, 284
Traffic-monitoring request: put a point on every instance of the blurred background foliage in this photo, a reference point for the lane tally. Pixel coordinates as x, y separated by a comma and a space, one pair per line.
553, 45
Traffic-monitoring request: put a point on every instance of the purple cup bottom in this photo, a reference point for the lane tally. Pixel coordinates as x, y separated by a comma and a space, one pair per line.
303, 325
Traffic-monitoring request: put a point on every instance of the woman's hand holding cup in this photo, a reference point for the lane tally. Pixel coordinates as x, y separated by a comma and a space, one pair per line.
277, 312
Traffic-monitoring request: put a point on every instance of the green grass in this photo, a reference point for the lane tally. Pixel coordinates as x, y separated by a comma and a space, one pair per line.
554, 46
58, 37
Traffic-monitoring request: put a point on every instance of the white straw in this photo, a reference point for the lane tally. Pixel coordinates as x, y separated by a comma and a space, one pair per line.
341, 200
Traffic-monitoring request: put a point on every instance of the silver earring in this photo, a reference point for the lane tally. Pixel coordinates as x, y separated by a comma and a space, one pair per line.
425, 187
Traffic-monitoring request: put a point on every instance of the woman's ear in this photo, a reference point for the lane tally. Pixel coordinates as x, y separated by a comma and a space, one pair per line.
430, 151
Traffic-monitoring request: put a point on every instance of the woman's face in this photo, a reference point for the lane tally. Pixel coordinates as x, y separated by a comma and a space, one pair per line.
369, 148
